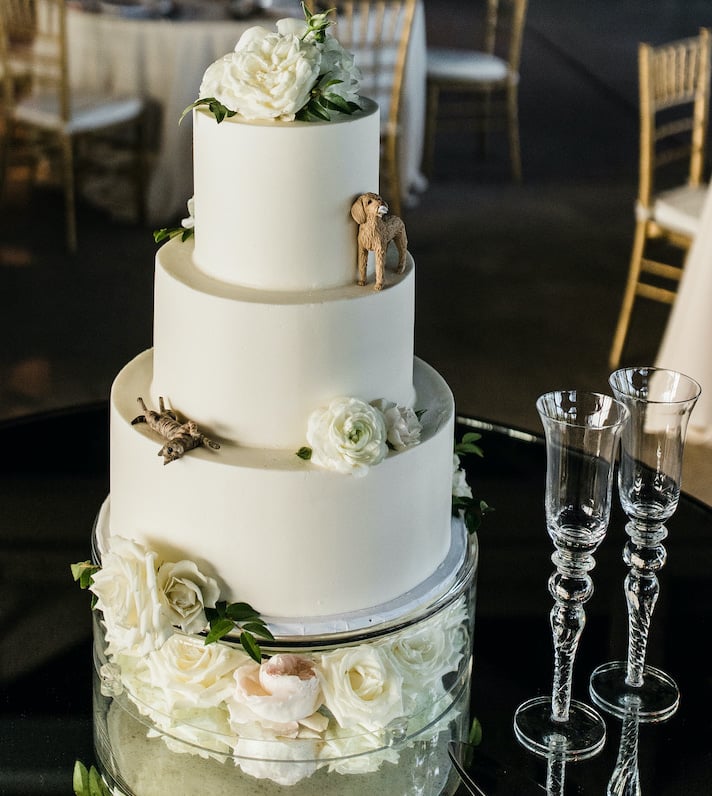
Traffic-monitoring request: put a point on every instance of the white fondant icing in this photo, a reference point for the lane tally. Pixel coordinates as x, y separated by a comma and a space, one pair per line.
278, 532
251, 365
273, 199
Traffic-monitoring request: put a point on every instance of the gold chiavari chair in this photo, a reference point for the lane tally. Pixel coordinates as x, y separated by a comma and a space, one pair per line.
47, 112
674, 88
478, 89
378, 32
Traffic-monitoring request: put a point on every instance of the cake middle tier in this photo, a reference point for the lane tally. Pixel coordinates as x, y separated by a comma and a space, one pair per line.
251, 365
283, 534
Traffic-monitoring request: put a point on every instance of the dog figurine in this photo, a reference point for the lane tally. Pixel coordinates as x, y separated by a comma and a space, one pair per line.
376, 229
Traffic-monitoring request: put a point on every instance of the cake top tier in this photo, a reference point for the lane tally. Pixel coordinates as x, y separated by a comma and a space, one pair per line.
298, 71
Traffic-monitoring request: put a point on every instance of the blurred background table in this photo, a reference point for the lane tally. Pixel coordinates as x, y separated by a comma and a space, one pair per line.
53, 478
685, 346
163, 59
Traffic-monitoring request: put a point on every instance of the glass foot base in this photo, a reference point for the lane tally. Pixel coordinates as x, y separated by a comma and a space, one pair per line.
656, 700
582, 736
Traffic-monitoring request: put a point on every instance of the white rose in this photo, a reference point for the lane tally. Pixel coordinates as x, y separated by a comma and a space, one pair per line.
194, 674
279, 693
402, 425
460, 487
339, 64
184, 592
361, 687
205, 732
127, 595
262, 754
347, 436
349, 752
423, 657
268, 76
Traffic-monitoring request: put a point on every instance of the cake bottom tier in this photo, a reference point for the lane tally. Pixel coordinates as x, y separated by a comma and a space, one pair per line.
369, 712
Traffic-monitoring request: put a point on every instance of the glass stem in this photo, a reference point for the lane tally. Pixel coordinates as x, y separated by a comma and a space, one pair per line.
569, 590
645, 555
625, 780
556, 766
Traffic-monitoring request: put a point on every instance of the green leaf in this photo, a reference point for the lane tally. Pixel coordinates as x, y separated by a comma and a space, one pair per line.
337, 103
96, 784
314, 108
240, 612
475, 735
80, 779
251, 647
473, 511
219, 111
84, 572
305, 453
258, 628
88, 783
467, 444
218, 629
166, 233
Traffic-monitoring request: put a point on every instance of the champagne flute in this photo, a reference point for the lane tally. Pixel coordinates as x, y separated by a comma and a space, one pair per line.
660, 403
582, 430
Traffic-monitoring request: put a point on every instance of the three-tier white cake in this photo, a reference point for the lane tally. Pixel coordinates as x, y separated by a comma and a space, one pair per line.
318, 490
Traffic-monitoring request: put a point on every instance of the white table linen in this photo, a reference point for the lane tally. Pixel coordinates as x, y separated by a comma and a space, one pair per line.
687, 343
164, 60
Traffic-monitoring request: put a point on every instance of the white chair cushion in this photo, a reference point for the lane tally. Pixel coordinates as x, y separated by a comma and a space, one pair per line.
469, 65
88, 112
678, 209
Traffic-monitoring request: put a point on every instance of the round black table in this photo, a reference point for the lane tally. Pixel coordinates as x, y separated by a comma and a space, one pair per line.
54, 476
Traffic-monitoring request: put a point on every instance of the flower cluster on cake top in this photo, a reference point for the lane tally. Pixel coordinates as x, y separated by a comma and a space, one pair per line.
298, 71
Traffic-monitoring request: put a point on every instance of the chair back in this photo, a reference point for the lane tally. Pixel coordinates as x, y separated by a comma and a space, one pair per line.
674, 84
504, 31
378, 33
34, 43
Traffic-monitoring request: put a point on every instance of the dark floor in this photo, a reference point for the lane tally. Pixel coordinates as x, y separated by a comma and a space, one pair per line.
518, 285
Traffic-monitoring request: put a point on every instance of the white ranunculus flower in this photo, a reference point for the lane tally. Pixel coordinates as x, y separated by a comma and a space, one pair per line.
279, 693
268, 76
265, 755
460, 487
184, 593
192, 673
402, 425
127, 595
339, 64
348, 436
361, 687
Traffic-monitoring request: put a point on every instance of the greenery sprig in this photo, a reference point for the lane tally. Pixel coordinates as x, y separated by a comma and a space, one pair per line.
322, 101
317, 23
84, 572
473, 509
219, 111
467, 445
166, 233
224, 618
305, 453
88, 782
